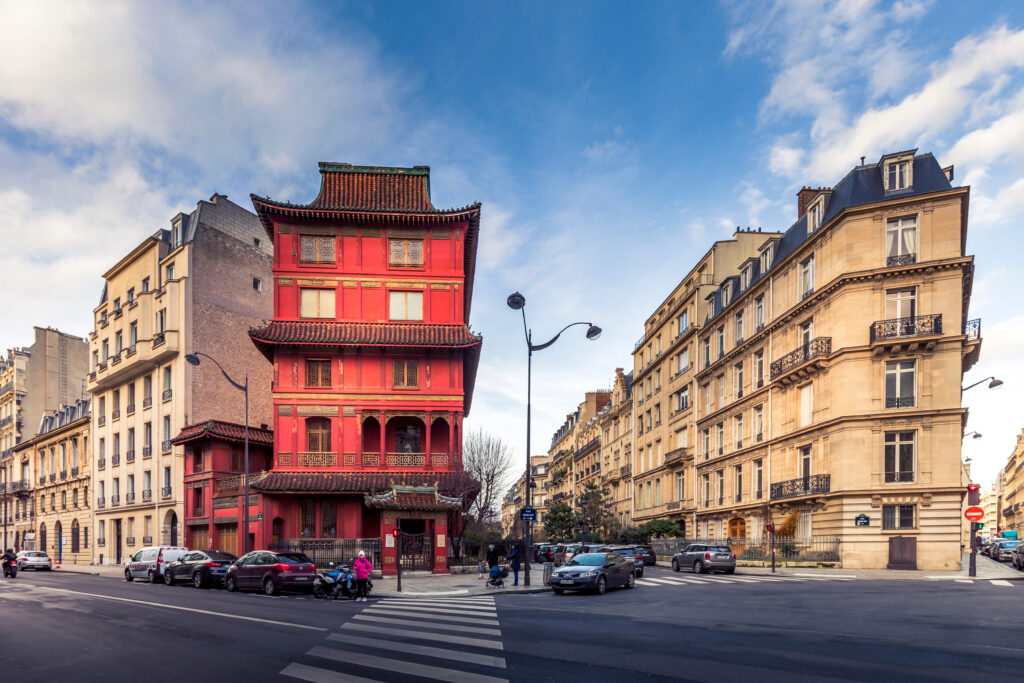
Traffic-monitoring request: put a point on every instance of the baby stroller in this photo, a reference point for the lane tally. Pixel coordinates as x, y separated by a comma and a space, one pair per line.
497, 576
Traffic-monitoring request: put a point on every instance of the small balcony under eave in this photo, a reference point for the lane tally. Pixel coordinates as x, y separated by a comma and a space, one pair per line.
905, 335
804, 361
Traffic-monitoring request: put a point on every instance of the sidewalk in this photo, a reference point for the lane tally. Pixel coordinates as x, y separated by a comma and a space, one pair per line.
987, 569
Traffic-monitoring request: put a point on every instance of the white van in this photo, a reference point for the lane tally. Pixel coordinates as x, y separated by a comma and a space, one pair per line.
149, 563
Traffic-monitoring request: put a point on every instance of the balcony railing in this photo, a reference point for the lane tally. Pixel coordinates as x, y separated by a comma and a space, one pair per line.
74, 471
100, 502
166, 396
129, 498
675, 455
901, 260
100, 464
406, 459
115, 415
899, 475
817, 347
147, 402
53, 478
816, 483
147, 495
147, 540
115, 459
115, 500
101, 420
147, 451
900, 402
165, 446
165, 492
129, 541
19, 486
972, 328
130, 409
913, 326
228, 484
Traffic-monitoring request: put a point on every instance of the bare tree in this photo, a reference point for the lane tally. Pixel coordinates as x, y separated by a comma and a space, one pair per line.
488, 460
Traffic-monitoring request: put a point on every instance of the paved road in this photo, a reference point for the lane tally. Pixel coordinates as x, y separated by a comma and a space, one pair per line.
671, 627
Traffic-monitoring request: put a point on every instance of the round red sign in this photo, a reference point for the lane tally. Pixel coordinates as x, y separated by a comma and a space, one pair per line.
974, 513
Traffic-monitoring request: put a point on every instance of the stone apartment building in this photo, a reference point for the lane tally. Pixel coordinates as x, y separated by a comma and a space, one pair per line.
830, 366
198, 287
53, 502
575, 450
33, 381
1011, 494
615, 426
516, 498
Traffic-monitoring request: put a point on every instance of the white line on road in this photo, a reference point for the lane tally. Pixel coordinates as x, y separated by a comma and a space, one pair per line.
1000, 582
315, 674
965, 580
425, 650
423, 635
653, 580
183, 609
385, 612
440, 627
401, 666
827, 576
468, 609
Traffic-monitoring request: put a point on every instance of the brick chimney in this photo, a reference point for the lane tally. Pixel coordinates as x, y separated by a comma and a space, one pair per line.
804, 197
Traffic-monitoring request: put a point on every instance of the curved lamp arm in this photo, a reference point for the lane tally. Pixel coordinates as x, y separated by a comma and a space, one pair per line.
991, 385
538, 347
193, 359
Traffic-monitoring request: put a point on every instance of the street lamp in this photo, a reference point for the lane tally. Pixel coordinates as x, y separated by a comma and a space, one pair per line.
973, 435
193, 359
517, 302
991, 385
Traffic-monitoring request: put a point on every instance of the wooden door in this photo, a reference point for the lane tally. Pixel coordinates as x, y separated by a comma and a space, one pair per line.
200, 538
738, 535
227, 538
902, 552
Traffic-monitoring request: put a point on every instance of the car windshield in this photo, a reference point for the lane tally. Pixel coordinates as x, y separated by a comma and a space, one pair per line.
718, 549
587, 560
293, 558
1010, 544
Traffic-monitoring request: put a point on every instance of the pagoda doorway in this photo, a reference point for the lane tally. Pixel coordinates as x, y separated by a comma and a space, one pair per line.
416, 545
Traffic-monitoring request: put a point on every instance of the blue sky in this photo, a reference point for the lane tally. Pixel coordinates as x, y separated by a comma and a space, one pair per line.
601, 138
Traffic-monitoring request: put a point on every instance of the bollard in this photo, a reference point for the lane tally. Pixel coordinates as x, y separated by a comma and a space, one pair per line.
549, 567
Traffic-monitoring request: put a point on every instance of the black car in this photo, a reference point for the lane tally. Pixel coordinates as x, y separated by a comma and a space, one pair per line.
201, 567
649, 557
594, 571
630, 553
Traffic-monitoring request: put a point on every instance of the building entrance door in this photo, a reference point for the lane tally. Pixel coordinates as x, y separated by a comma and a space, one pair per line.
200, 537
902, 552
738, 535
117, 540
416, 545
227, 538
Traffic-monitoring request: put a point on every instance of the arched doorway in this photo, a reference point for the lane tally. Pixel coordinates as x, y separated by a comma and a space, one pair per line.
42, 538
171, 524
738, 535
75, 542
406, 441
440, 449
371, 455
58, 539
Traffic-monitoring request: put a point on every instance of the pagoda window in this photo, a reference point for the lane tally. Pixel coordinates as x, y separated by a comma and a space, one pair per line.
405, 305
316, 303
406, 374
318, 373
405, 253
318, 435
316, 249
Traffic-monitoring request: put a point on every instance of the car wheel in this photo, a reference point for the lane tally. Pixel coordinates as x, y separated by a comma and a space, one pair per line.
640, 573
730, 571
675, 565
559, 591
151, 576
269, 587
631, 581
128, 575
168, 579
602, 585
698, 567
197, 580
229, 584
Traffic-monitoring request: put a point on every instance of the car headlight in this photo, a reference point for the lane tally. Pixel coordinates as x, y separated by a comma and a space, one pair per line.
588, 574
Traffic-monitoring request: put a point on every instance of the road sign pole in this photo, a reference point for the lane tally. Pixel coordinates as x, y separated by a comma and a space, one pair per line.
972, 568
773, 548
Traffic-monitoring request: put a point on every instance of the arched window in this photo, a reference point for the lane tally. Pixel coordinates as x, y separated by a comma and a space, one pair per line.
318, 435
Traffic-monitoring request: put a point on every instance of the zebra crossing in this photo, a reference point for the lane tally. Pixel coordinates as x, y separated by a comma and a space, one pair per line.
447, 639
675, 580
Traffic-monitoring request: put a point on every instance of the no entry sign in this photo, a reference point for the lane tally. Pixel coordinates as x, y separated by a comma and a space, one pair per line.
974, 513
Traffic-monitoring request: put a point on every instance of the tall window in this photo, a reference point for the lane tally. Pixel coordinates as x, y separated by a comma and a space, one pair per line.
720, 436
705, 489
167, 431
758, 423
684, 359
720, 339
899, 456
161, 321
707, 398
118, 343
316, 249
737, 429
680, 486
720, 380
316, 303
738, 483
307, 517
657, 491
739, 327
406, 374
147, 435
405, 305
806, 332
766, 258
720, 486
133, 335
759, 312
405, 253
897, 517
806, 404
900, 303
737, 376
759, 369
807, 276
329, 519
706, 348
758, 478
805, 462
684, 321
318, 435
814, 214
901, 241
147, 387
684, 398
705, 439
318, 373
106, 350
900, 390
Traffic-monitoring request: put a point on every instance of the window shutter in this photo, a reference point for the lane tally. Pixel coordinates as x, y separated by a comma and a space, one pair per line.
399, 373
308, 248
311, 374
397, 255
326, 249
411, 379
415, 255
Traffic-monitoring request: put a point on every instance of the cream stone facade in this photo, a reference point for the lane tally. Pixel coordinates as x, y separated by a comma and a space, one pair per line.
57, 502
575, 451
515, 499
197, 287
1012, 494
865, 305
615, 425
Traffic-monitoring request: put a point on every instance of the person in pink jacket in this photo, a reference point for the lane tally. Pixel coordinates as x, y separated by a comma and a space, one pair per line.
362, 568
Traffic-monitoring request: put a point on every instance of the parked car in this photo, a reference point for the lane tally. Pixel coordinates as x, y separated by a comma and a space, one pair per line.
701, 558
594, 571
649, 557
34, 560
537, 547
201, 567
563, 551
271, 572
1017, 559
546, 553
149, 563
1003, 550
630, 553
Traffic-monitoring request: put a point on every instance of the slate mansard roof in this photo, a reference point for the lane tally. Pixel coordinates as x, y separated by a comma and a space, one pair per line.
862, 186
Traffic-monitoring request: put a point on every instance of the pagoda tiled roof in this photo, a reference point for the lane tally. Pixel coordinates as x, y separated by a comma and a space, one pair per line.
446, 483
224, 431
331, 332
412, 498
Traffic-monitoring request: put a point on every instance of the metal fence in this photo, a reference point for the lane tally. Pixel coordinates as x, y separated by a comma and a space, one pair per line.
810, 549
466, 553
337, 550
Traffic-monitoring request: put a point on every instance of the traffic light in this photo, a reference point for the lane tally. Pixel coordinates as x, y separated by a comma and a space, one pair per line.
973, 494
978, 526
394, 532
770, 528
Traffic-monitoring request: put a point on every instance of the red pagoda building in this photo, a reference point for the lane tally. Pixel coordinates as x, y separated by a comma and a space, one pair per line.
374, 366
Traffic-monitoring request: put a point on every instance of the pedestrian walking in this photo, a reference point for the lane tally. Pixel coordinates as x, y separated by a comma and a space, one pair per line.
513, 561
362, 567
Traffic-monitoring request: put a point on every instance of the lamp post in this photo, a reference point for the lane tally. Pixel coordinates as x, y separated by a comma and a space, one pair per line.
193, 359
973, 435
517, 302
991, 385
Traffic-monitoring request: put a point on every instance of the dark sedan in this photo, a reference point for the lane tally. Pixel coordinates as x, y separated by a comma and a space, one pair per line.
271, 572
200, 567
648, 554
630, 553
594, 571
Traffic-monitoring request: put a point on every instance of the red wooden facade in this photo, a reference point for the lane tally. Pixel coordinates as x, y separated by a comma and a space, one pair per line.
374, 362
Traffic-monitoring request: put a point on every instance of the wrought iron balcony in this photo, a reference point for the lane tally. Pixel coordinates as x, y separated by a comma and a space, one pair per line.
115, 459
972, 328
101, 420
901, 260
63, 475
816, 483
53, 478
115, 415
115, 500
147, 402
166, 395
74, 471
100, 464
899, 476
899, 402
100, 502
129, 498
166, 446
676, 455
913, 326
129, 409
165, 492
816, 348
42, 480
129, 455
147, 451
147, 540
129, 541
147, 494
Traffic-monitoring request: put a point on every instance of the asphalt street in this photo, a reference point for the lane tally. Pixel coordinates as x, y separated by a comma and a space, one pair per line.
64, 626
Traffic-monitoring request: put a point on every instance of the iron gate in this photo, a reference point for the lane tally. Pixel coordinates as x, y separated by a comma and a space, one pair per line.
415, 551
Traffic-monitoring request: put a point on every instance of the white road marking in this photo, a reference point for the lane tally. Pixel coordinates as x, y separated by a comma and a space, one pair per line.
653, 580
384, 612
431, 625
483, 614
827, 576
423, 635
965, 580
467, 609
1000, 582
424, 650
182, 609
315, 674
461, 591
403, 667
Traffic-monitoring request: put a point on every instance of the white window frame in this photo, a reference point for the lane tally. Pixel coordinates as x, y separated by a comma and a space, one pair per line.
900, 369
806, 408
739, 327
815, 213
759, 311
806, 276
901, 233
408, 312
898, 174
895, 439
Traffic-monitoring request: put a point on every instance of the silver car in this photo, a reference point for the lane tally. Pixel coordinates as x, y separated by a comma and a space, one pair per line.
34, 560
701, 558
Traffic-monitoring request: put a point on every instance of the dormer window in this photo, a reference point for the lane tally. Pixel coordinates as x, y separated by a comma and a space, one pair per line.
898, 171
766, 257
726, 294
745, 277
815, 213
